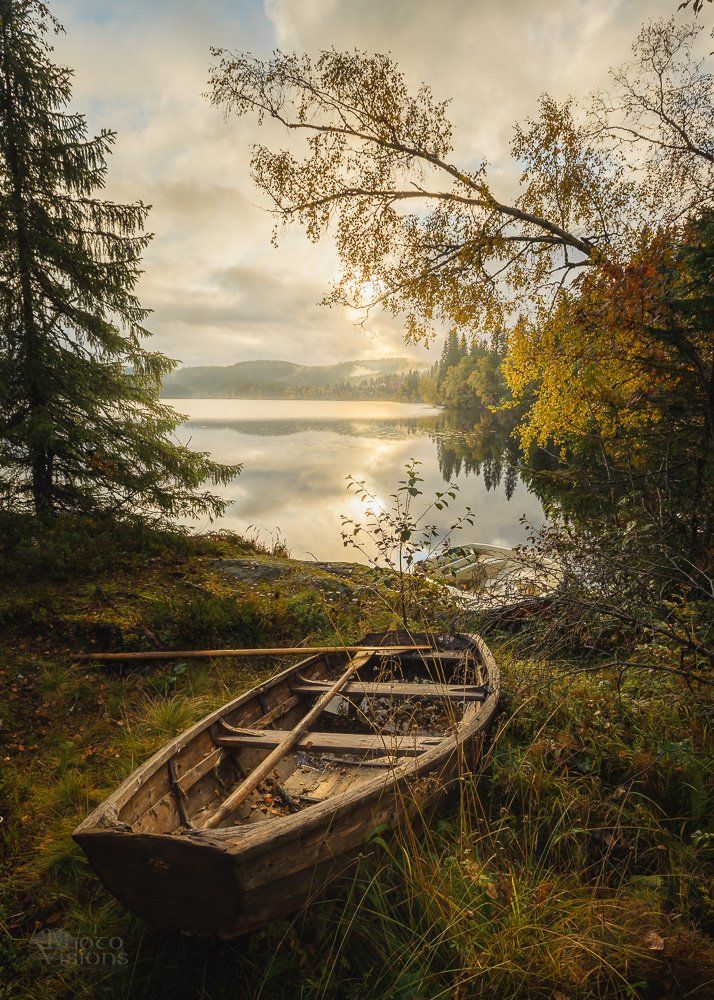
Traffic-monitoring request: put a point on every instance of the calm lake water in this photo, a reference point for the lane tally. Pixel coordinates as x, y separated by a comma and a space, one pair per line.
296, 455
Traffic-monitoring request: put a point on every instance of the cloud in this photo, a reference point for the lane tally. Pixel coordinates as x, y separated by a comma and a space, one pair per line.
491, 59
219, 290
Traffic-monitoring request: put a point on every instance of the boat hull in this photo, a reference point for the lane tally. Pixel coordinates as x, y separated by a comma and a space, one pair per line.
225, 888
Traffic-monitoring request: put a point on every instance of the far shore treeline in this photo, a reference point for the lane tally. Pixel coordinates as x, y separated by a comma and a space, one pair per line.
382, 378
466, 376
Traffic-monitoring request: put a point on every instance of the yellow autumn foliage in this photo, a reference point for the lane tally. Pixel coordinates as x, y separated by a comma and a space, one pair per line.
591, 371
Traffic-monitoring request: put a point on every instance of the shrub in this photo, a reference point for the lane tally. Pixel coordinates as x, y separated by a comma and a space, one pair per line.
205, 619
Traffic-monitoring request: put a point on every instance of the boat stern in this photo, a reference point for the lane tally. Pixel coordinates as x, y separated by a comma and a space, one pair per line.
170, 881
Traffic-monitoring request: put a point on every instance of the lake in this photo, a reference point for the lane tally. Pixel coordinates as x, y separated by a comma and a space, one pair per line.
296, 455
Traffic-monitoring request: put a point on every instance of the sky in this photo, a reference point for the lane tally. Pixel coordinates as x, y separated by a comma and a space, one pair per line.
220, 291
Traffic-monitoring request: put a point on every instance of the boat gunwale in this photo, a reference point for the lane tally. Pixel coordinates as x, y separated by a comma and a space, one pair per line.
280, 827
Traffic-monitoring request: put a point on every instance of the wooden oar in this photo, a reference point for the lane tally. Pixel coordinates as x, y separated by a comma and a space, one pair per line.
193, 654
241, 793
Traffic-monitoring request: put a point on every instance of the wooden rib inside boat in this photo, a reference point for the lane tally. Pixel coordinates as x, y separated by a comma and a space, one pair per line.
246, 816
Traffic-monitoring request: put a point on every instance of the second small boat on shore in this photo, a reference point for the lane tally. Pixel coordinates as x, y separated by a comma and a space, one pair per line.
493, 576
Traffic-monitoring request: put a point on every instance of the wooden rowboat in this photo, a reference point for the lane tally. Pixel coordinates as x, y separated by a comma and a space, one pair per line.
249, 814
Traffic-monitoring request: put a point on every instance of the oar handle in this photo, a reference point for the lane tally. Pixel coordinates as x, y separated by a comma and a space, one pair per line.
194, 654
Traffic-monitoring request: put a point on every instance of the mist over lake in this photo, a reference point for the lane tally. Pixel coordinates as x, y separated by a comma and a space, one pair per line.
296, 455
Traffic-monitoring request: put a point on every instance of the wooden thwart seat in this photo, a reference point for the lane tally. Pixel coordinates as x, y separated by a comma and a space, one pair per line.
395, 689
330, 742
433, 656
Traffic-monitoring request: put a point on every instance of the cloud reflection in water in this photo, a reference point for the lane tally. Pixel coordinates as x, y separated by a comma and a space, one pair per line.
296, 455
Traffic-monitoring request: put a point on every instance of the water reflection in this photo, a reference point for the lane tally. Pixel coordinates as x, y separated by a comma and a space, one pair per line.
297, 454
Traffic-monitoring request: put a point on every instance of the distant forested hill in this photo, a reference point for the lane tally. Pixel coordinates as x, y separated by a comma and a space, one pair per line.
383, 378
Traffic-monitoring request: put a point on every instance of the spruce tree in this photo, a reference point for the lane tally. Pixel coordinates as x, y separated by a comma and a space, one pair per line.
684, 366
81, 424
450, 354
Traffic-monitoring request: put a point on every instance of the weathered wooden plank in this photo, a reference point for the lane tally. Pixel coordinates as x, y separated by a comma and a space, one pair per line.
161, 816
152, 790
386, 761
396, 689
158, 785
189, 778
245, 715
343, 742
194, 752
278, 712
316, 786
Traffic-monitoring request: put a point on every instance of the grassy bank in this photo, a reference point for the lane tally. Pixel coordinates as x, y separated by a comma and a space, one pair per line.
577, 863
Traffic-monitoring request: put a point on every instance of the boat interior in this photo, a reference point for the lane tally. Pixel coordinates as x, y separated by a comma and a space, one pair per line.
396, 707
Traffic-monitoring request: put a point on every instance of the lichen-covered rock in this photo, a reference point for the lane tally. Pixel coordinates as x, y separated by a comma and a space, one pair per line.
250, 570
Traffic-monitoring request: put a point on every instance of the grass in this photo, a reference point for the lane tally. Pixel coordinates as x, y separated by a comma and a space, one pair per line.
576, 862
